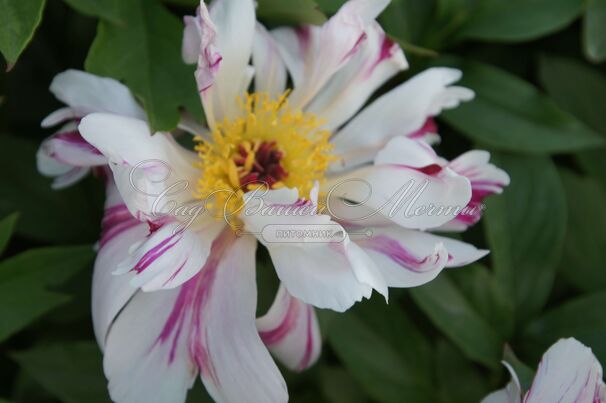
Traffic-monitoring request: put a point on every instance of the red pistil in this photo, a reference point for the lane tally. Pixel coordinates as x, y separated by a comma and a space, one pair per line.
266, 169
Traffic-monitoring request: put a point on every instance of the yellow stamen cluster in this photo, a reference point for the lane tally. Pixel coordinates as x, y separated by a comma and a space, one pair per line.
297, 135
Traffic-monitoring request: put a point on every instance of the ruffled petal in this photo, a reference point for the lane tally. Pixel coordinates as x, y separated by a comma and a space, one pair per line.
235, 29
486, 179
378, 59
321, 51
568, 372
316, 262
85, 93
162, 339
406, 258
235, 365
141, 362
400, 112
416, 197
170, 255
291, 332
111, 293
152, 172
270, 71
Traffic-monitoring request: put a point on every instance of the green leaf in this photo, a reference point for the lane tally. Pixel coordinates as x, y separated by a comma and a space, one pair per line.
71, 372
106, 9
524, 373
525, 228
484, 292
510, 114
407, 20
520, 20
7, 226
70, 215
594, 31
293, 12
26, 283
378, 366
18, 21
330, 6
454, 315
577, 88
339, 387
585, 248
581, 318
584, 97
145, 54
459, 380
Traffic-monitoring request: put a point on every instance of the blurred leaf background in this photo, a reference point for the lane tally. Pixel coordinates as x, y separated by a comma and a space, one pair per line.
537, 67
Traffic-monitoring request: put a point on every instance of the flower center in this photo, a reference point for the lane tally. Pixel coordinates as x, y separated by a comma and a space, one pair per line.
267, 144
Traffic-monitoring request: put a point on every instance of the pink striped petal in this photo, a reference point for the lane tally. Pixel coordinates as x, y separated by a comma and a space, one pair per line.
111, 293
401, 112
291, 332
329, 273
568, 373
320, 52
377, 61
486, 180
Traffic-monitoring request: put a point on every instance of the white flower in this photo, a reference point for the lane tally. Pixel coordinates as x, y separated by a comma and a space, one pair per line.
174, 298
568, 373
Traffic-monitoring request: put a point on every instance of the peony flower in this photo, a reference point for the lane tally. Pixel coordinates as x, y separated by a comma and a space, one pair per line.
568, 373
174, 292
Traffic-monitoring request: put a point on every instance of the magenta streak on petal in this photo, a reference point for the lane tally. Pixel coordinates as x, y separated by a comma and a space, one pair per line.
75, 139
430, 170
288, 323
174, 275
429, 126
151, 255
355, 48
309, 342
388, 49
189, 308
473, 212
117, 219
304, 37
396, 252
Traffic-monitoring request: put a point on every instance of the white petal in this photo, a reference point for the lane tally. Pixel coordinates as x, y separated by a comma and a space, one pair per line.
327, 272
162, 339
400, 112
405, 195
171, 255
236, 364
62, 115
270, 70
291, 332
235, 24
199, 37
66, 157
152, 172
568, 373
110, 293
87, 93
484, 176
324, 50
407, 152
67, 147
145, 362
377, 61
406, 258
